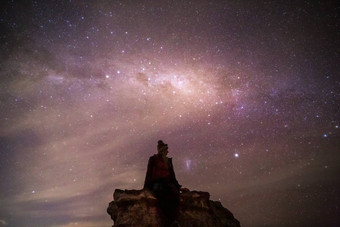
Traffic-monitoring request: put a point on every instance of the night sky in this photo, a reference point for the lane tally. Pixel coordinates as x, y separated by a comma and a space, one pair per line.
245, 93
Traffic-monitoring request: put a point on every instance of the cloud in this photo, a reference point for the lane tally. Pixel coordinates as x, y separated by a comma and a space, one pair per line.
85, 224
3, 222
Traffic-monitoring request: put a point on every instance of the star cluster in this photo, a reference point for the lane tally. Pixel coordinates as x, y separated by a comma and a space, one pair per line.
246, 94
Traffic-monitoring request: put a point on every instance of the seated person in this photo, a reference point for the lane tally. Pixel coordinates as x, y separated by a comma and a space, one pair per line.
161, 180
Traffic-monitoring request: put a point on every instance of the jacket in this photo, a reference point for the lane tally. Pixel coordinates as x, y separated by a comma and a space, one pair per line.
149, 178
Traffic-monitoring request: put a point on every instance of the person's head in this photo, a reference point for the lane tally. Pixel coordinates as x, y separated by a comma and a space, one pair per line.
162, 148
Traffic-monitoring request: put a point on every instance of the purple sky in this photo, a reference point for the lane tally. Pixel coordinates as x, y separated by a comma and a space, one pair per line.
245, 93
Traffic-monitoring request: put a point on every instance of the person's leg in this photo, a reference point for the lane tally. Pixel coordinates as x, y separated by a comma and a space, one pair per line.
167, 195
171, 202
161, 193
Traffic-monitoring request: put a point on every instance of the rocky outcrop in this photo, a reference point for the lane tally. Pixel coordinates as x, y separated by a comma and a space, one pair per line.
138, 208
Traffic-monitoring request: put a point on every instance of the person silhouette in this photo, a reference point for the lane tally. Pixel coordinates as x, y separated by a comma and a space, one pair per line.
161, 180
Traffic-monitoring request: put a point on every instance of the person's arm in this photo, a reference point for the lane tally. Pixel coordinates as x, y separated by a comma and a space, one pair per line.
148, 177
172, 174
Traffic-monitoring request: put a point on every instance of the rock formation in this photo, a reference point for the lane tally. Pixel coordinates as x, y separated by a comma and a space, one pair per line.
138, 208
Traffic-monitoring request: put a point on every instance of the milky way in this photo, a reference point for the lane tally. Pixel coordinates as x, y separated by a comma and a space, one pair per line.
246, 94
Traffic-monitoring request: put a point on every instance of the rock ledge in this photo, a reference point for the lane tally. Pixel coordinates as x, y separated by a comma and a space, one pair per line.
139, 208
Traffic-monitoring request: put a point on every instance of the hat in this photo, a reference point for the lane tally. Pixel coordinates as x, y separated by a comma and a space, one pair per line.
161, 145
